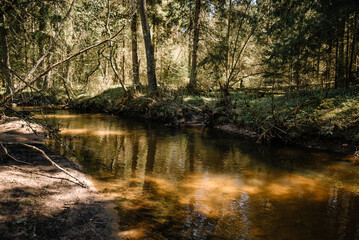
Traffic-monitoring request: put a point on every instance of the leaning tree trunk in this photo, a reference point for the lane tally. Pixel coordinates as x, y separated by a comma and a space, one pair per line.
135, 66
151, 64
193, 76
5, 57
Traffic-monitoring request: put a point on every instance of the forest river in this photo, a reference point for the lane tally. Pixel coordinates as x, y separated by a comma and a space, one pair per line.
198, 183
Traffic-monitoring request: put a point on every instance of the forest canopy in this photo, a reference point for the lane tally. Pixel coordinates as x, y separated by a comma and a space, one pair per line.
199, 44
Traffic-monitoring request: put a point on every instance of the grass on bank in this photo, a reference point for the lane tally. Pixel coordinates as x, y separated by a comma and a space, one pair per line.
292, 116
289, 116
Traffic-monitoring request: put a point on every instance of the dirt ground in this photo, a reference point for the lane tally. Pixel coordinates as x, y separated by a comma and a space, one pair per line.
38, 201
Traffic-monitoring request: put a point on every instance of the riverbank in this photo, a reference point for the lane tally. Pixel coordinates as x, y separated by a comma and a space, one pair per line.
37, 200
318, 119
325, 120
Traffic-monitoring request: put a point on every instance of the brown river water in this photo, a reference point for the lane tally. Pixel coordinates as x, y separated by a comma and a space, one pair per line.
198, 183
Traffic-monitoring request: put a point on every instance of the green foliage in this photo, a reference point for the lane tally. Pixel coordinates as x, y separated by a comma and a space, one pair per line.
279, 49
289, 117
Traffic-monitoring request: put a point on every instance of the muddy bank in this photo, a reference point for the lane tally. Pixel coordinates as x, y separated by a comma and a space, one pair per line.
37, 200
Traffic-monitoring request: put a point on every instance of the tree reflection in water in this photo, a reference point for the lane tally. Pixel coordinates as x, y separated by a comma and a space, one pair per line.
200, 184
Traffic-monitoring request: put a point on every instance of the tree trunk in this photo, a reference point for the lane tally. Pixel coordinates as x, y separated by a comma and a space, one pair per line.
193, 77
318, 69
151, 64
5, 56
228, 38
154, 35
123, 62
347, 52
47, 77
329, 65
340, 67
135, 66
190, 41
352, 54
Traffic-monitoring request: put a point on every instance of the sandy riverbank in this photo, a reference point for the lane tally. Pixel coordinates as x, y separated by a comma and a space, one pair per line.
37, 200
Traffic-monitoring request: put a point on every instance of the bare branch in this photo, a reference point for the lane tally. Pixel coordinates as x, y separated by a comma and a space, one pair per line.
29, 75
10, 156
82, 184
8, 97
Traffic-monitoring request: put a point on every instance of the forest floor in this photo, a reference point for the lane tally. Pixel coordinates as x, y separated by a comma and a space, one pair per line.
37, 200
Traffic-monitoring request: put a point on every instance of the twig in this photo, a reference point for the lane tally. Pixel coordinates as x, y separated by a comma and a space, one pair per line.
25, 119
41, 59
52, 162
94, 231
12, 157
8, 97
111, 46
273, 126
43, 175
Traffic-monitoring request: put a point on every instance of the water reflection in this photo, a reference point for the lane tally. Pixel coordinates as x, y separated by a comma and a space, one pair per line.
199, 184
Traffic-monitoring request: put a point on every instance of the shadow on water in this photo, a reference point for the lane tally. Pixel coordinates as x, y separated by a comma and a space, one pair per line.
202, 184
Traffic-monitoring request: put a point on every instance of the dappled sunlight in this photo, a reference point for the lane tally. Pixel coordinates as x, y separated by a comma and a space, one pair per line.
279, 189
69, 116
137, 233
93, 132
211, 192
163, 186
169, 185
292, 184
21, 131
57, 116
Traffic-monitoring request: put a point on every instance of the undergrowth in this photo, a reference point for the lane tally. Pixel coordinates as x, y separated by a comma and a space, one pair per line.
290, 117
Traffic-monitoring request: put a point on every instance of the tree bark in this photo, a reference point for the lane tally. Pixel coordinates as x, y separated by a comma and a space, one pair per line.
190, 41
135, 66
193, 76
340, 66
228, 38
352, 54
151, 64
123, 62
5, 56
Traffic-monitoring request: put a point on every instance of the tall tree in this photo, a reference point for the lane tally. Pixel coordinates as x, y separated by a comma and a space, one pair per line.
193, 76
151, 64
135, 65
5, 56
228, 35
